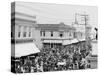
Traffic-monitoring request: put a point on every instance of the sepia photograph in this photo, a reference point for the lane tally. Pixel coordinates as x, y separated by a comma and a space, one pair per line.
47, 37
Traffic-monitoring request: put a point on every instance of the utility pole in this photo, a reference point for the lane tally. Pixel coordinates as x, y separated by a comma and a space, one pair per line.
86, 23
85, 19
76, 22
87, 35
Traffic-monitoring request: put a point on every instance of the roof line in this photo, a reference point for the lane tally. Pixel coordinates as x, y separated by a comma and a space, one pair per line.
23, 14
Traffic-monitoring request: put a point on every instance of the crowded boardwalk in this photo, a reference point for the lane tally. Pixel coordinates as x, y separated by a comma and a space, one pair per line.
71, 57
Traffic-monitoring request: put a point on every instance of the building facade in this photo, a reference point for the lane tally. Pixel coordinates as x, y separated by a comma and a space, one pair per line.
25, 32
55, 34
22, 34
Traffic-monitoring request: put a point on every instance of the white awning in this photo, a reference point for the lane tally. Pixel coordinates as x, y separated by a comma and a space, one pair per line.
67, 42
82, 39
52, 41
24, 49
74, 41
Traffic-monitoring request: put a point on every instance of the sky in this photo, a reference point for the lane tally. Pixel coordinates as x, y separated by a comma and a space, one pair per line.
56, 13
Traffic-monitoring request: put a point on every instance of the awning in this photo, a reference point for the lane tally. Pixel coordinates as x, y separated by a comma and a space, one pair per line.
67, 42
24, 49
81, 39
52, 41
74, 41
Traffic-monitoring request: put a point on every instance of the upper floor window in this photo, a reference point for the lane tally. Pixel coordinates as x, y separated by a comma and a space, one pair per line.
19, 34
61, 34
81, 34
70, 34
51, 33
29, 32
12, 31
75, 35
24, 32
19, 31
42, 33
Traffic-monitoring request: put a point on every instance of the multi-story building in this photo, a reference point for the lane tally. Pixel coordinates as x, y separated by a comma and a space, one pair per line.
55, 34
22, 34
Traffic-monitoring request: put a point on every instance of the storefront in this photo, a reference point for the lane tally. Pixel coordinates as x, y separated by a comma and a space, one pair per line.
23, 53
52, 43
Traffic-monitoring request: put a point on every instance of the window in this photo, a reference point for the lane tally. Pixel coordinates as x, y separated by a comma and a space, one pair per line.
81, 34
12, 31
24, 32
61, 34
19, 34
51, 33
70, 34
42, 33
29, 32
19, 31
75, 35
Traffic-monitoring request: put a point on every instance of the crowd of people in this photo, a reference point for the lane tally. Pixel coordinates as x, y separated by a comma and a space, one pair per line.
70, 57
